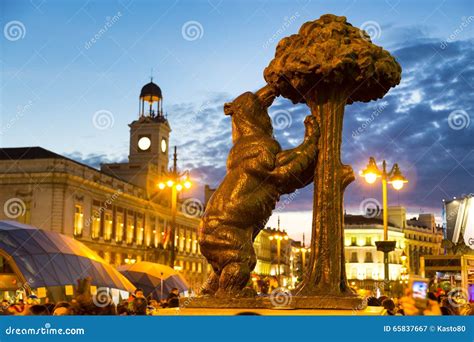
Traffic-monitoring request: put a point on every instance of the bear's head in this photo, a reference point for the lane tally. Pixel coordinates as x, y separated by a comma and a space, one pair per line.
249, 116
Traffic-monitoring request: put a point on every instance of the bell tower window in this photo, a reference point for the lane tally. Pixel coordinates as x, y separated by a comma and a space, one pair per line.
151, 101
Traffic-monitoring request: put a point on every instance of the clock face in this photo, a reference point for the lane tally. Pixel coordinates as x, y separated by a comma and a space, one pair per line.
164, 145
144, 143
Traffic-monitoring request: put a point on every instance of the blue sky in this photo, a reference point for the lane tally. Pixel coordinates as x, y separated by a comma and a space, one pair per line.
53, 80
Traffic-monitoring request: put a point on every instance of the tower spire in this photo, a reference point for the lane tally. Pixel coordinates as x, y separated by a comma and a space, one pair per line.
278, 222
175, 160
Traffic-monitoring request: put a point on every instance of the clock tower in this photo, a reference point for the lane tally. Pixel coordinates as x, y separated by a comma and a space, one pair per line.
149, 138
149, 135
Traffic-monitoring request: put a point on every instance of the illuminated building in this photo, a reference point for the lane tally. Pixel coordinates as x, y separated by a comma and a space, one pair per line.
364, 264
273, 249
117, 211
263, 251
415, 238
459, 222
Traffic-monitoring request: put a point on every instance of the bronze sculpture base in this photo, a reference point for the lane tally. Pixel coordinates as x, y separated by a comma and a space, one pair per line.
288, 303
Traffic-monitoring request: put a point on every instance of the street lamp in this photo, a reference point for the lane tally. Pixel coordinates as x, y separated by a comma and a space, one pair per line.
176, 181
130, 261
303, 251
394, 177
278, 236
404, 269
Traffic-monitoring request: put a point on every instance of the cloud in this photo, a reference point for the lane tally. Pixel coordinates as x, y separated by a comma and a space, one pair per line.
94, 159
409, 126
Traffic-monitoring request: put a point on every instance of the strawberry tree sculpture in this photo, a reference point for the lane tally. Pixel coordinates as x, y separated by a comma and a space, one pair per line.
330, 63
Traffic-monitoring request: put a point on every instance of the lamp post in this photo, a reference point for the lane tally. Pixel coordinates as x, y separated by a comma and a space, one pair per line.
278, 236
404, 269
394, 177
176, 181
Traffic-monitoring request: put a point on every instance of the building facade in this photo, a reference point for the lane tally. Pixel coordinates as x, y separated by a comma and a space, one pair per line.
414, 238
364, 264
117, 211
458, 221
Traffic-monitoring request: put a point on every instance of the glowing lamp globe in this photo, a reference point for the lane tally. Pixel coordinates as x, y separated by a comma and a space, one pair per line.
370, 177
398, 184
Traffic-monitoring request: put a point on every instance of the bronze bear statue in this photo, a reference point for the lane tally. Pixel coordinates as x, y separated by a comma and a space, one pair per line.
258, 173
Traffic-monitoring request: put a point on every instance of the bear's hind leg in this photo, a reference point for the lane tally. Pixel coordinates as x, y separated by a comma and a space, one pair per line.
211, 285
234, 277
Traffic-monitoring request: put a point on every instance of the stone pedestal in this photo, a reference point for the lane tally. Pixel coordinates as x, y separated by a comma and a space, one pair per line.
277, 302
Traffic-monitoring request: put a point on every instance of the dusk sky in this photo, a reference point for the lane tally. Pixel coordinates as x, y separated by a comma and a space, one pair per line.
62, 64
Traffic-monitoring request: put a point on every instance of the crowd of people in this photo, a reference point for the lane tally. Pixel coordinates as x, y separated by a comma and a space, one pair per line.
84, 303
436, 304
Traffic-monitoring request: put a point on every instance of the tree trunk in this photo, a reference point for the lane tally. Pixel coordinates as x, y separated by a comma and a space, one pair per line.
325, 274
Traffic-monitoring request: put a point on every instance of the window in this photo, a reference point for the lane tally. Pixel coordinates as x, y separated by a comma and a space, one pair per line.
119, 227
118, 259
368, 273
194, 250
353, 273
353, 241
107, 257
368, 257
368, 241
140, 230
107, 226
25, 212
199, 267
130, 229
5, 266
182, 239
354, 258
152, 234
193, 267
95, 217
188, 241
78, 220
